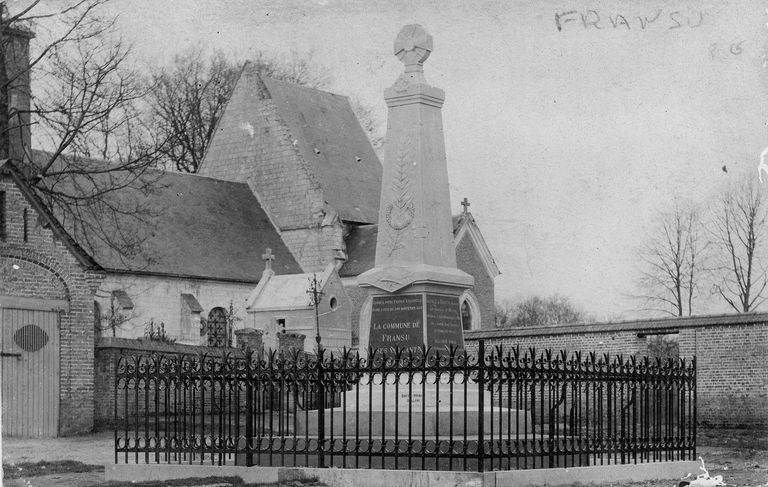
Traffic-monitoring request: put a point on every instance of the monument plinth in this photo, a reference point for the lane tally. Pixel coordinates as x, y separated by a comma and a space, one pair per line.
415, 284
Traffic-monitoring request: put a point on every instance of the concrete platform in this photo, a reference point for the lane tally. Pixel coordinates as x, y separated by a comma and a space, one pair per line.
666, 473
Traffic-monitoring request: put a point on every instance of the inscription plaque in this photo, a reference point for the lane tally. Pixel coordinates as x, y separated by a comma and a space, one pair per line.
444, 322
397, 322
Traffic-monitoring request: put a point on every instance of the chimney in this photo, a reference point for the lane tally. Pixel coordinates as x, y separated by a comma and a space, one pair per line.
16, 139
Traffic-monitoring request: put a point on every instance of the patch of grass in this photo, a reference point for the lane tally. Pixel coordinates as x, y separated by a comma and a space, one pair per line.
27, 470
228, 481
204, 481
309, 482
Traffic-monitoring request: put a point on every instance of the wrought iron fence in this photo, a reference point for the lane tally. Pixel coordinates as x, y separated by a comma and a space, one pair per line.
512, 409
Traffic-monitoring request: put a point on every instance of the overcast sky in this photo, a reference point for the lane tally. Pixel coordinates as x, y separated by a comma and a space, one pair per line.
567, 125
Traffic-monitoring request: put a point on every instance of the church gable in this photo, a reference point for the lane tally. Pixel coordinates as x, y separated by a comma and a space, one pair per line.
253, 145
464, 226
474, 258
301, 150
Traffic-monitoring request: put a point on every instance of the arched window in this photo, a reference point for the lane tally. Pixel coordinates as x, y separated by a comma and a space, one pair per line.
466, 315
470, 311
217, 328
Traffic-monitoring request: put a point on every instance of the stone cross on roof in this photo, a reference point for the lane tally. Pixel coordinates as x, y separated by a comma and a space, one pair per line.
268, 257
413, 46
465, 204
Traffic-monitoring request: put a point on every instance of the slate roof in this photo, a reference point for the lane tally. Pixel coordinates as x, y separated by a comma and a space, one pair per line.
285, 292
198, 227
334, 145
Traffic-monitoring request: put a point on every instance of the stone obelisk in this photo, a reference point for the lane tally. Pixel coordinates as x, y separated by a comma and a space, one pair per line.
415, 284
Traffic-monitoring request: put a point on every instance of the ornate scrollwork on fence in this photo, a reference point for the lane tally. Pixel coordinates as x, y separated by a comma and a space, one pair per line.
496, 408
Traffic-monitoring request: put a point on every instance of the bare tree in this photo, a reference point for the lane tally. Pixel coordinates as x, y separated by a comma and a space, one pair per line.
370, 123
671, 261
76, 23
739, 234
538, 311
190, 96
86, 111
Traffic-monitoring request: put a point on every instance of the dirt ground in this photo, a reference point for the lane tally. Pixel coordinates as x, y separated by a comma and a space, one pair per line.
740, 456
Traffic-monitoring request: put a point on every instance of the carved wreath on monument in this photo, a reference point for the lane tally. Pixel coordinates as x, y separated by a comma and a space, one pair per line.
400, 211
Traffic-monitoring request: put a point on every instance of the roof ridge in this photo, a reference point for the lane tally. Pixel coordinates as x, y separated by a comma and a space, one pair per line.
155, 170
302, 87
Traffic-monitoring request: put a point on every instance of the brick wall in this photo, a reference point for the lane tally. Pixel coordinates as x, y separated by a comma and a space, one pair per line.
250, 339
468, 260
290, 343
48, 269
730, 350
108, 351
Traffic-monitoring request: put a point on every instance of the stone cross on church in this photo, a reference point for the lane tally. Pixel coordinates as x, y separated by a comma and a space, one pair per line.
415, 284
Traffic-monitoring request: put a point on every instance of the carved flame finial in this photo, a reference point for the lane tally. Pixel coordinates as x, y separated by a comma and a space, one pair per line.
413, 46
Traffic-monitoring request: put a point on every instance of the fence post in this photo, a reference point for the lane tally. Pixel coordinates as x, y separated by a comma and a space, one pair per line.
480, 406
320, 410
117, 384
248, 408
695, 399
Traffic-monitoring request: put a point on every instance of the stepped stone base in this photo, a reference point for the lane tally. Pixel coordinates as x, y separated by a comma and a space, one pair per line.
390, 424
385, 411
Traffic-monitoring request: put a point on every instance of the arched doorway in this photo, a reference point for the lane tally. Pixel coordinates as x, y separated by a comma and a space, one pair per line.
218, 335
30, 346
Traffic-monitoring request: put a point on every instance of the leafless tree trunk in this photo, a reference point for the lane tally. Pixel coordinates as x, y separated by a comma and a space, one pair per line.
671, 259
739, 233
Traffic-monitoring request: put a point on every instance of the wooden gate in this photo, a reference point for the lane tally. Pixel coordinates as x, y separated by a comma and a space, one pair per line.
29, 349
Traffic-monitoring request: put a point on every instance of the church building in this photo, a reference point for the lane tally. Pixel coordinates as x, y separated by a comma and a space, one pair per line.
288, 193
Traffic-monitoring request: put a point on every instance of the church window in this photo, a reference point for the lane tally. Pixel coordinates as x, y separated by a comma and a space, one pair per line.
470, 311
466, 316
334, 303
26, 226
217, 328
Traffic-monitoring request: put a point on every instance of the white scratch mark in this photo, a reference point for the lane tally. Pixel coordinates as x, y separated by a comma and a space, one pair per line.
247, 127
